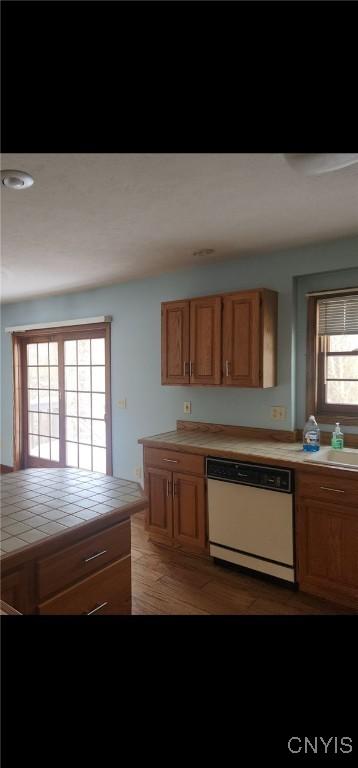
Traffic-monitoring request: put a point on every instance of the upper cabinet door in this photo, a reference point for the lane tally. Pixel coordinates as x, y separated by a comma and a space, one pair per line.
241, 339
175, 342
205, 340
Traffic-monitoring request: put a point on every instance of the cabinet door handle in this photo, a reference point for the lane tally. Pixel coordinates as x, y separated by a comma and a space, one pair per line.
185, 368
228, 366
171, 461
335, 490
175, 488
93, 557
191, 368
168, 488
90, 613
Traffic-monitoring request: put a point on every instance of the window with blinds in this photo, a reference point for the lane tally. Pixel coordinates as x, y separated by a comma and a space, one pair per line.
338, 316
336, 365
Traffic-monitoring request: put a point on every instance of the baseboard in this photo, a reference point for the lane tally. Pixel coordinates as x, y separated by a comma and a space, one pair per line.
4, 468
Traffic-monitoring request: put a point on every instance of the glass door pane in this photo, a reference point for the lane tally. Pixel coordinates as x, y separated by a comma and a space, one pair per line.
85, 390
43, 402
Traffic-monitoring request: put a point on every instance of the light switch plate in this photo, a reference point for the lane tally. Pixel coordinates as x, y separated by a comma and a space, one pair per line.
278, 412
187, 406
122, 403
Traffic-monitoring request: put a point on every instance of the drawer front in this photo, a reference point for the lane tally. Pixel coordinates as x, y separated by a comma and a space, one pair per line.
106, 592
74, 563
328, 487
174, 460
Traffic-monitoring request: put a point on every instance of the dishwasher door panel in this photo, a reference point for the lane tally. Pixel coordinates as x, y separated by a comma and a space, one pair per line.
252, 520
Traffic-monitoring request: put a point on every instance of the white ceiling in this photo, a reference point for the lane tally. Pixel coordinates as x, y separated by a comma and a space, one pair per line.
94, 219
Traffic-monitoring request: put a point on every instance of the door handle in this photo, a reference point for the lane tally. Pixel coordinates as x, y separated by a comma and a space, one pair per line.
335, 490
175, 488
191, 368
185, 368
98, 608
169, 490
228, 367
93, 557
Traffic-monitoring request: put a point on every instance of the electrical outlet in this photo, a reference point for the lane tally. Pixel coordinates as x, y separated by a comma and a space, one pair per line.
122, 403
187, 406
278, 412
138, 472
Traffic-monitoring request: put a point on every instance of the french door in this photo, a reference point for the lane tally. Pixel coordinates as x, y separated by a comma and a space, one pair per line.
66, 399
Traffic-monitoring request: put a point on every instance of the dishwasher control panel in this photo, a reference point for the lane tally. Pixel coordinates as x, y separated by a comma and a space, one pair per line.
257, 475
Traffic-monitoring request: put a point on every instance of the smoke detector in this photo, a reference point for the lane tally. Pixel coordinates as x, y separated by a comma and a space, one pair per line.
313, 164
16, 179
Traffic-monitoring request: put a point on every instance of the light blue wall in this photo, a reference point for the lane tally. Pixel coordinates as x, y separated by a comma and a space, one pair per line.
135, 308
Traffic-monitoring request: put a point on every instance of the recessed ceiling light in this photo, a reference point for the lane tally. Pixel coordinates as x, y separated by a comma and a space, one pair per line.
204, 252
16, 179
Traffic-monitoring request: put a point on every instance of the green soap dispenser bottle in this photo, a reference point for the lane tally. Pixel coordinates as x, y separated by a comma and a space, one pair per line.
337, 438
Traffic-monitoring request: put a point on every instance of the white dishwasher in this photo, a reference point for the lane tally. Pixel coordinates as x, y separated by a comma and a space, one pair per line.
251, 516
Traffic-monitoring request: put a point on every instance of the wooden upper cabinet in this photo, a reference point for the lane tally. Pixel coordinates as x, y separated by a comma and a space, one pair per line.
228, 340
249, 339
205, 340
241, 350
175, 342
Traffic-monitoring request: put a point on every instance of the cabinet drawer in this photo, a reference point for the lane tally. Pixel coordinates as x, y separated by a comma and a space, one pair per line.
328, 487
106, 592
80, 560
174, 460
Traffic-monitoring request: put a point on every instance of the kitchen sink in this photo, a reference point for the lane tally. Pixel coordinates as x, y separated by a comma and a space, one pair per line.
343, 457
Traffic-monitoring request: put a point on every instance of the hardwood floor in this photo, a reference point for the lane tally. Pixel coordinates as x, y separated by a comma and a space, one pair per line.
167, 581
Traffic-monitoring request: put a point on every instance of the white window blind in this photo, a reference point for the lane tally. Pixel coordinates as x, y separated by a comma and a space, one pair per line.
338, 315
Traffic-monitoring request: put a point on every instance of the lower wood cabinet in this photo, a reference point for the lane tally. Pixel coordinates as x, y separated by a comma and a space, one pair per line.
327, 539
189, 510
90, 576
177, 508
159, 484
87, 556
106, 592
17, 588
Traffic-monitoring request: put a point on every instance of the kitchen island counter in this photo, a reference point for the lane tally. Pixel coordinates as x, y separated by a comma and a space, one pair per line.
59, 528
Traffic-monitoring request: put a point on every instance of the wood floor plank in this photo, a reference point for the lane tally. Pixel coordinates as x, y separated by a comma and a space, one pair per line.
200, 599
166, 581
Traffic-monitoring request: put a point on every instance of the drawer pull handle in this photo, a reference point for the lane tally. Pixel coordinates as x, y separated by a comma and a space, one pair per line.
171, 461
97, 609
335, 490
93, 557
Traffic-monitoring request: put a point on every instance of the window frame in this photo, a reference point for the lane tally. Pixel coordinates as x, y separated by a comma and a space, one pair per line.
315, 381
64, 333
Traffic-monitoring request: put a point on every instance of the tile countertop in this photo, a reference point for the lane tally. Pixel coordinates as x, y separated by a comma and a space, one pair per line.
40, 503
285, 454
